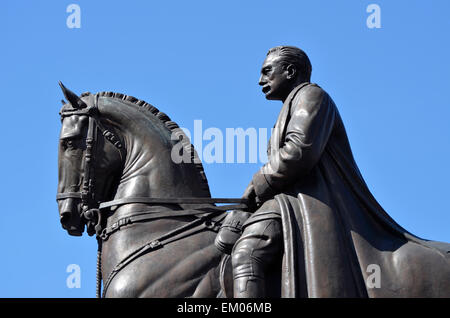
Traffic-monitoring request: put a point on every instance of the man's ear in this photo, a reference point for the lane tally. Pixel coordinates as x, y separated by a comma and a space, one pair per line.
291, 71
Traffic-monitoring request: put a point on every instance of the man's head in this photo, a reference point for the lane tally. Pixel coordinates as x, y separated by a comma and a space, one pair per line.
284, 68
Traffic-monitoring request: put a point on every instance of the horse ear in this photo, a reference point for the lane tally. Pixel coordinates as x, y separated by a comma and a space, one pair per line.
72, 97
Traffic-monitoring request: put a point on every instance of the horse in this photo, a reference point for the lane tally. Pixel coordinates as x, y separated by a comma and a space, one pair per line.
121, 177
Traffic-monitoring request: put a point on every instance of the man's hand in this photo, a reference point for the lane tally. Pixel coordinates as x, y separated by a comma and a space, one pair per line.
250, 195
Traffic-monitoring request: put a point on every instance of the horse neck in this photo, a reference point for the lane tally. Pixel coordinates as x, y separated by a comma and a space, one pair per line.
148, 169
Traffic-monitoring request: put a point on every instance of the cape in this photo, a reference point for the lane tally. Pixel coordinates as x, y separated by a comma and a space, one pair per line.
338, 241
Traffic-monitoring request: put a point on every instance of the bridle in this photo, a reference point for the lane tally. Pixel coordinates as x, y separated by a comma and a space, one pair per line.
205, 218
87, 191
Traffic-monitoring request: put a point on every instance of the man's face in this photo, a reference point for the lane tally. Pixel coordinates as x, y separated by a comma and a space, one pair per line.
274, 81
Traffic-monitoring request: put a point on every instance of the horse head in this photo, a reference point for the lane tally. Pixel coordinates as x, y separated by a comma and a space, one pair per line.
114, 146
87, 162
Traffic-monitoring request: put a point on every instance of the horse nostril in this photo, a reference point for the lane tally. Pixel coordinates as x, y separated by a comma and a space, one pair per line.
65, 218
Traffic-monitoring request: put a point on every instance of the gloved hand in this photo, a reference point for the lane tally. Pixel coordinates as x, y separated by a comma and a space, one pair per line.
250, 195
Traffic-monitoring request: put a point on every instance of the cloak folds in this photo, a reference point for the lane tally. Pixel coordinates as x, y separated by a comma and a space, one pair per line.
338, 241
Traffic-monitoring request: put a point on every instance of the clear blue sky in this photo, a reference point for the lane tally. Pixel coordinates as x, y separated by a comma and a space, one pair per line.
201, 60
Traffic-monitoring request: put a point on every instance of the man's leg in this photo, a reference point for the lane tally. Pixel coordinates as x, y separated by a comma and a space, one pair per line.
256, 250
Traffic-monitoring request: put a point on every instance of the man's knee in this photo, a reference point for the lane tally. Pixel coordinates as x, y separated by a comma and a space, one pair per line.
265, 232
269, 211
231, 230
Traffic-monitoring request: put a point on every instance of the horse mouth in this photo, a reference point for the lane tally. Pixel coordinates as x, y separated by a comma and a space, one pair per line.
73, 226
75, 232
266, 89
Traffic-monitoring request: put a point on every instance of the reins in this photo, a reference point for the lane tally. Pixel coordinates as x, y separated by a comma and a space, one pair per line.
204, 220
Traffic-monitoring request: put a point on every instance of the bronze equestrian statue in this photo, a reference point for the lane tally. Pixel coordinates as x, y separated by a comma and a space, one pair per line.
311, 227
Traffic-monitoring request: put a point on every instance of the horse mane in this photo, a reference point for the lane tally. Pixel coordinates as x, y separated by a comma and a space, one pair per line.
170, 125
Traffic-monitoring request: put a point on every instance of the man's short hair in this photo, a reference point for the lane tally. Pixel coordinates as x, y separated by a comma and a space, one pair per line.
295, 56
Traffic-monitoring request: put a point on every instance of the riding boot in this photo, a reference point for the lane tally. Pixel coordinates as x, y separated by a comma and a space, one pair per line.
249, 287
253, 253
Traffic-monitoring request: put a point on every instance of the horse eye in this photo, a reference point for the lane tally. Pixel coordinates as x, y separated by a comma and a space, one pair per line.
68, 144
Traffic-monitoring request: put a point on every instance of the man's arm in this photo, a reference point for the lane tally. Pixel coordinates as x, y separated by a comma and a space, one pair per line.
307, 133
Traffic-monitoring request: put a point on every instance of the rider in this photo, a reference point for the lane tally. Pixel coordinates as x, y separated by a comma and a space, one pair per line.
315, 208
285, 71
